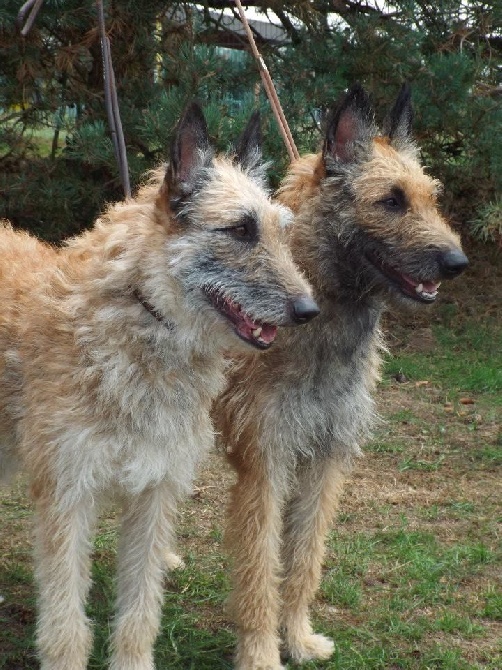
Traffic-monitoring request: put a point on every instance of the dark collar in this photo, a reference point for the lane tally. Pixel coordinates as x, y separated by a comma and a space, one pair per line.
151, 309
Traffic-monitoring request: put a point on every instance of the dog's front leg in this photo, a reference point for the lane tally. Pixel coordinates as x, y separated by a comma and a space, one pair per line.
62, 569
146, 530
253, 537
307, 519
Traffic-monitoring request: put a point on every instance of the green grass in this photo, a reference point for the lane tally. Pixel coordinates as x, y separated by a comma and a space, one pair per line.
409, 590
468, 358
492, 604
184, 642
37, 142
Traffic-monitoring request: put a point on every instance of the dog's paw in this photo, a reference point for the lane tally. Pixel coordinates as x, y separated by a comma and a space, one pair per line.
173, 561
311, 647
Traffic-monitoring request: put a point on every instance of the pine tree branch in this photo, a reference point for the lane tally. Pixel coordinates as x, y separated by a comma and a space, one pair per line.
347, 8
288, 26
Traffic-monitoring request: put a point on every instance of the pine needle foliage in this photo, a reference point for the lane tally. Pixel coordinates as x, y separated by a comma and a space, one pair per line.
57, 164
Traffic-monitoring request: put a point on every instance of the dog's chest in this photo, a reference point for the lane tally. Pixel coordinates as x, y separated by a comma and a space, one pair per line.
142, 424
325, 401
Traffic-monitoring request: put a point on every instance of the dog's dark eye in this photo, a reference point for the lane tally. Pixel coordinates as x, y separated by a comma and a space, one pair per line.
391, 203
240, 231
395, 201
245, 231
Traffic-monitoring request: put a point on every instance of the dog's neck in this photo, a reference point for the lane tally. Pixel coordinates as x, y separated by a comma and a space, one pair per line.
326, 249
152, 310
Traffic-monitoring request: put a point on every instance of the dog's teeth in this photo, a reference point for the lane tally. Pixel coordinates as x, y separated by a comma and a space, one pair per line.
257, 331
419, 288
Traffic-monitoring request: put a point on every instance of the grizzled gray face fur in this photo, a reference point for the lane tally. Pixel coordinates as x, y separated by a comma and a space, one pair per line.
230, 256
392, 238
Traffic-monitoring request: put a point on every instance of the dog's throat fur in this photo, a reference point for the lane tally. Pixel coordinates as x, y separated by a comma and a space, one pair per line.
152, 310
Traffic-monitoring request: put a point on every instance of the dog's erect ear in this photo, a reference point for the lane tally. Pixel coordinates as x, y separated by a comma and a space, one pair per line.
190, 151
397, 125
248, 146
349, 124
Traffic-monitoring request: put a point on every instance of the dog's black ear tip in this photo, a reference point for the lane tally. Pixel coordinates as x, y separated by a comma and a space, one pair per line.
398, 122
404, 95
193, 113
192, 127
357, 99
193, 105
190, 145
255, 117
349, 121
248, 146
356, 89
253, 127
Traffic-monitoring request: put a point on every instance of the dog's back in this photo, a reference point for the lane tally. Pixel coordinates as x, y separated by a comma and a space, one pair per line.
25, 264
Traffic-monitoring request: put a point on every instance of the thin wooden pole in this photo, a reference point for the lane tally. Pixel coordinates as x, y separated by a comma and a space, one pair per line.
112, 103
33, 7
269, 88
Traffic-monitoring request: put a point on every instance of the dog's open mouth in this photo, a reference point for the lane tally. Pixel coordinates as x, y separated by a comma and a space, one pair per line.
256, 333
416, 289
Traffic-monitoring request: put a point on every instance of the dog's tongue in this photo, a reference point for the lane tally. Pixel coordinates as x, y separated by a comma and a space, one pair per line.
428, 287
259, 334
263, 333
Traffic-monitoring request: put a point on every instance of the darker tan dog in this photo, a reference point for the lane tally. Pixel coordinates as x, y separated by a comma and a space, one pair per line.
367, 231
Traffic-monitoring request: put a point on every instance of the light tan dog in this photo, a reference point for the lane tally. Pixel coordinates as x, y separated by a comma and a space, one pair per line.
367, 231
111, 352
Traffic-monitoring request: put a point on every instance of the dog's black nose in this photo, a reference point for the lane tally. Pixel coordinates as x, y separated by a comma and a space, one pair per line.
304, 309
453, 262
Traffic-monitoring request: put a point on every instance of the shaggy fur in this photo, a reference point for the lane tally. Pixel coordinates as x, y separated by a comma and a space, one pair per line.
367, 231
112, 350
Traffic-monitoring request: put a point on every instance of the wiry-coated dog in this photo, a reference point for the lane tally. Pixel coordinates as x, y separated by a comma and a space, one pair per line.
112, 350
367, 231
